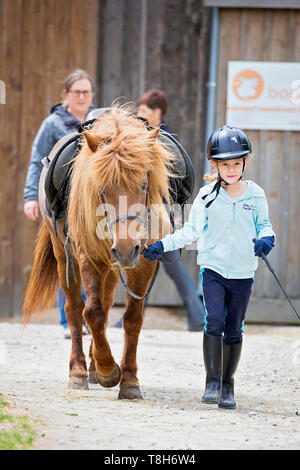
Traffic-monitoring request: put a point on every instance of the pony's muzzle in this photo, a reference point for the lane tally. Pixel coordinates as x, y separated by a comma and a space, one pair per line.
126, 258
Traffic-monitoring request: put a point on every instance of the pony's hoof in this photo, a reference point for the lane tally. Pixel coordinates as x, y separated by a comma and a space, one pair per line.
111, 380
78, 382
130, 392
92, 379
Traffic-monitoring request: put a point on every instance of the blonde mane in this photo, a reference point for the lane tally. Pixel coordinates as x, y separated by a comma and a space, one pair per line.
118, 152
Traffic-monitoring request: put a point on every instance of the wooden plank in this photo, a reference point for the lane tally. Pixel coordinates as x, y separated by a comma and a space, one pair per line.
229, 49
52, 56
272, 311
133, 50
276, 158
90, 36
282, 4
113, 49
173, 53
153, 50
202, 23
32, 108
293, 208
291, 183
10, 60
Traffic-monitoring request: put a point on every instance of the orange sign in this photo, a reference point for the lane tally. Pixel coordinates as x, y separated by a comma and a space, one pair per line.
263, 95
247, 85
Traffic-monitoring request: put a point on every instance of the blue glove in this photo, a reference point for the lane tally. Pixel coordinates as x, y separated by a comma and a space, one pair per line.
154, 251
263, 245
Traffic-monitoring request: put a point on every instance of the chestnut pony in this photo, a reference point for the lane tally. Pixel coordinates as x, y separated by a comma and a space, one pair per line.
120, 162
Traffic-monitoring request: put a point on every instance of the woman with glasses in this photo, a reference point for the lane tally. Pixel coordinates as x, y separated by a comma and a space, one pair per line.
64, 118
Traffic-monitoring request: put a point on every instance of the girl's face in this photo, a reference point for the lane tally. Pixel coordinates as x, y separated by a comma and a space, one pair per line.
230, 170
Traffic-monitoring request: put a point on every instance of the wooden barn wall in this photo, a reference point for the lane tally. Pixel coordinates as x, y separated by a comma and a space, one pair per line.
269, 35
131, 46
158, 44
40, 43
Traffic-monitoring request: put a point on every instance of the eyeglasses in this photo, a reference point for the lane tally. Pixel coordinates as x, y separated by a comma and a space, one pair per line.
77, 93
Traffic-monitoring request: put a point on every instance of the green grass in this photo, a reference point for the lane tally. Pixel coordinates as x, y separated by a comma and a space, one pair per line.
16, 432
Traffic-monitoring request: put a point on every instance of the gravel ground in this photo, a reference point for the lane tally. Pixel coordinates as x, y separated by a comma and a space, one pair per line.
34, 378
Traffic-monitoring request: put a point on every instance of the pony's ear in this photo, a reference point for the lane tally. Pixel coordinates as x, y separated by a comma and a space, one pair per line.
92, 141
154, 133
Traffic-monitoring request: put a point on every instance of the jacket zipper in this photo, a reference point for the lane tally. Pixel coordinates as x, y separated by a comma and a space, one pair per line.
233, 231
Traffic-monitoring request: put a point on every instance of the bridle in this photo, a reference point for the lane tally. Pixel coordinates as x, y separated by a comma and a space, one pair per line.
144, 220
122, 218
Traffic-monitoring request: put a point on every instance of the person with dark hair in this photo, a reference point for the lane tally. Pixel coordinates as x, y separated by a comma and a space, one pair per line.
153, 106
64, 118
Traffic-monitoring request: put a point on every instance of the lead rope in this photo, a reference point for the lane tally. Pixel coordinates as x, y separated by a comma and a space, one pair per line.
135, 296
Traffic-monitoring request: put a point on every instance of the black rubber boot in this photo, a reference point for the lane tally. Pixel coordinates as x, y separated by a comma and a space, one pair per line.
212, 354
231, 357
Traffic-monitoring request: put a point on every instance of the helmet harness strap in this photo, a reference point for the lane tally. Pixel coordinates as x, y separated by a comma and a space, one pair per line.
218, 184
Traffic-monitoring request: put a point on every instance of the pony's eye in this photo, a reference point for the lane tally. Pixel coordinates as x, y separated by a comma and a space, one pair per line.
144, 187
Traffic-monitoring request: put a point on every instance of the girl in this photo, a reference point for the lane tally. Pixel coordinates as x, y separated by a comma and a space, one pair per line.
225, 217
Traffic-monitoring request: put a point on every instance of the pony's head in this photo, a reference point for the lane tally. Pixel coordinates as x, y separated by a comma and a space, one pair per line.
121, 170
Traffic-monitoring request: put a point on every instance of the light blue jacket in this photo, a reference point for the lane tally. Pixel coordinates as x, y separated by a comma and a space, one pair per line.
225, 231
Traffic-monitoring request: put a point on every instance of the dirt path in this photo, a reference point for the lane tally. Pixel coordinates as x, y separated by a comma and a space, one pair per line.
34, 377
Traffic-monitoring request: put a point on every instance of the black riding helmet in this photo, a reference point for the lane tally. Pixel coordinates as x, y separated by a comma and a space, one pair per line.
226, 143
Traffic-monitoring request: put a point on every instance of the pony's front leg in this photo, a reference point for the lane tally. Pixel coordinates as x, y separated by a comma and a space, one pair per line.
73, 307
107, 370
108, 293
138, 281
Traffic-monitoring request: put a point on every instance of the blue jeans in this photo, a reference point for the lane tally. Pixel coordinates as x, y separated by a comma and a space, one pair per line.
60, 302
225, 303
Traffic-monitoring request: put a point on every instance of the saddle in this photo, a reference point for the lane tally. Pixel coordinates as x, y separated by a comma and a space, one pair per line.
182, 184
59, 165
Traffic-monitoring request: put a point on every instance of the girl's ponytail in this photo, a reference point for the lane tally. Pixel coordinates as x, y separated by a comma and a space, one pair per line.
209, 177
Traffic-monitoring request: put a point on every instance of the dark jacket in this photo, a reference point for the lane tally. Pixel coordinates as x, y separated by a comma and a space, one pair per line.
166, 128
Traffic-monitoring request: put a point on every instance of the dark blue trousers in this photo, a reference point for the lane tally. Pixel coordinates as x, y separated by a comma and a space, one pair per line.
225, 304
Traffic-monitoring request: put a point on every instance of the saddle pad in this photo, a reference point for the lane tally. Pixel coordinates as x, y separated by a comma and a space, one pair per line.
59, 168
57, 176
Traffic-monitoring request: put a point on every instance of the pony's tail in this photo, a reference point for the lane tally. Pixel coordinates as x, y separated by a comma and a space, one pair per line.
43, 283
